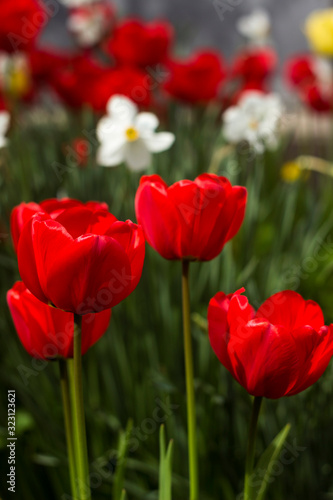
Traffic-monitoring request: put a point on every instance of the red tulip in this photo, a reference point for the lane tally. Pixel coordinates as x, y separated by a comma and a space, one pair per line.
86, 82
23, 213
80, 148
254, 65
317, 98
280, 350
44, 63
314, 86
47, 332
21, 23
141, 44
198, 79
299, 70
189, 220
81, 260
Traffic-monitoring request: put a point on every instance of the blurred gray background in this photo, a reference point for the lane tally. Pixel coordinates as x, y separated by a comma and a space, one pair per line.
198, 22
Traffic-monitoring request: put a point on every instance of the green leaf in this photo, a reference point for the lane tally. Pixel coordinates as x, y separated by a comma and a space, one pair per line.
263, 470
123, 495
122, 452
165, 471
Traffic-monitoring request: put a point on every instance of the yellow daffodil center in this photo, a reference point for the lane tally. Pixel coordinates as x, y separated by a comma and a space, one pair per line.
291, 171
132, 134
254, 125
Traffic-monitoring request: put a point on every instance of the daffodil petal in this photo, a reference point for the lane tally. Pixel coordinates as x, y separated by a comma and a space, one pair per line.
111, 156
122, 109
159, 142
146, 122
137, 156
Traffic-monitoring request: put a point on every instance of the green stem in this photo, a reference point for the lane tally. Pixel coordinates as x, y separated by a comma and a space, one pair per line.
191, 418
80, 439
251, 447
64, 384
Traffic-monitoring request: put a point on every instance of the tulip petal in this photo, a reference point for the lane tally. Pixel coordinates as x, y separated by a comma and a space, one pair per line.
265, 361
91, 274
290, 310
218, 328
82, 220
158, 217
47, 332
20, 215
38, 247
317, 361
131, 238
54, 206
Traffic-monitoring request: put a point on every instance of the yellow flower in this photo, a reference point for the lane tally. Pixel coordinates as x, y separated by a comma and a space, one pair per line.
291, 172
15, 77
319, 31
18, 83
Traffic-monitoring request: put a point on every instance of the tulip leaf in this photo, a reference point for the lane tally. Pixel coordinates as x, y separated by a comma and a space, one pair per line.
165, 471
122, 452
123, 495
264, 468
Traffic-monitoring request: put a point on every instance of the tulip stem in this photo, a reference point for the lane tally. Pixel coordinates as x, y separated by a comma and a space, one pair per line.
251, 447
80, 438
64, 384
191, 414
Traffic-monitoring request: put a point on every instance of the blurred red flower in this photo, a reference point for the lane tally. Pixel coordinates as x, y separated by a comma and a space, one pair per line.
53, 207
85, 81
312, 78
82, 260
254, 65
21, 23
47, 332
280, 350
299, 70
189, 220
44, 63
80, 149
140, 44
197, 79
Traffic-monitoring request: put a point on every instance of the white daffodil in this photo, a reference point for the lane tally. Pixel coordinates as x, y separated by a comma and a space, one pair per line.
255, 27
77, 3
324, 72
4, 126
125, 135
255, 119
90, 24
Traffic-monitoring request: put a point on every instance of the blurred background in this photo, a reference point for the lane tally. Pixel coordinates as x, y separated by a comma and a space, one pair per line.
197, 23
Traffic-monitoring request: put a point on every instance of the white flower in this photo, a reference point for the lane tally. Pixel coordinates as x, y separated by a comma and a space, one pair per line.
77, 3
255, 119
256, 26
129, 136
323, 69
4, 126
90, 23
